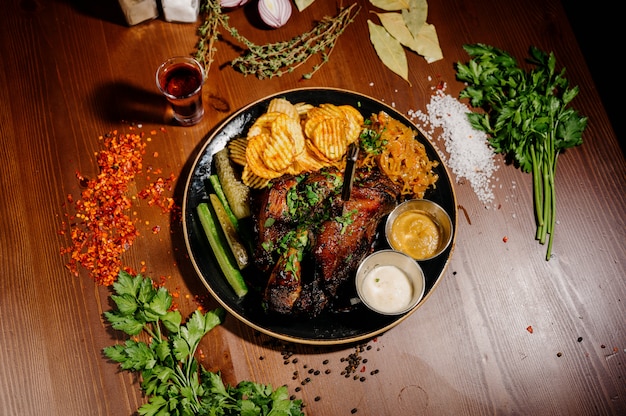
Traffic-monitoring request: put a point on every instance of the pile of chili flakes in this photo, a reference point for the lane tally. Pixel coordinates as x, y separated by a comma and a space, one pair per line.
101, 228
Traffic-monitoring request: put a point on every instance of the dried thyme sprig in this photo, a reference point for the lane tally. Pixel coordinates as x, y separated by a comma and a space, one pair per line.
208, 32
274, 59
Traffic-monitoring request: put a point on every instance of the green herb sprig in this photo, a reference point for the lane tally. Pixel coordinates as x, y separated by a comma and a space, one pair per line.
371, 138
274, 59
526, 117
175, 381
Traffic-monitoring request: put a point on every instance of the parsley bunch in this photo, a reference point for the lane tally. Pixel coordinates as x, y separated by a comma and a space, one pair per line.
176, 383
526, 116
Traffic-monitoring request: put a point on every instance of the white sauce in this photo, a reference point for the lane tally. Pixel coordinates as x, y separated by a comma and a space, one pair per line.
387, 289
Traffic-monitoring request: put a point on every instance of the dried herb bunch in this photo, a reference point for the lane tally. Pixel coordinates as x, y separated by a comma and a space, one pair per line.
273, 59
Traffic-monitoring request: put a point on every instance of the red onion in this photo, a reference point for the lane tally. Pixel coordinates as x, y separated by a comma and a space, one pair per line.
275, 13
232, 3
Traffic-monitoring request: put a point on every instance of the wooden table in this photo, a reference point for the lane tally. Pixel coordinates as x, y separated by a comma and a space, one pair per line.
73, 73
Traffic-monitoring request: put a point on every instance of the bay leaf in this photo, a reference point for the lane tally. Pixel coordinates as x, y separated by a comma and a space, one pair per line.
415, 16
389, 50
427, 43
395, 25
390, 5
303, 4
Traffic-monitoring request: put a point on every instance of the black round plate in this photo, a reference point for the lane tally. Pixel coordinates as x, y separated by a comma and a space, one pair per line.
354, 325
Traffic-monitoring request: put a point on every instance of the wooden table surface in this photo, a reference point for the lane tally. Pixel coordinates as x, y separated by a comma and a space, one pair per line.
73, 73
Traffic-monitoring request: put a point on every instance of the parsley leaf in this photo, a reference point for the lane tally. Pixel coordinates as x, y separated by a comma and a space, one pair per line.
526, 116
175, 382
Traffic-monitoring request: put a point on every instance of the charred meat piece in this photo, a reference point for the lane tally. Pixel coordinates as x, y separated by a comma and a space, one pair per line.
342, 242
284, 285
272, 220
311, 241
288, 202
317, 195
312, 300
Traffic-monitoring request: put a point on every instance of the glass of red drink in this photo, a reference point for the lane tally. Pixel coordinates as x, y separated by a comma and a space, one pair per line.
180, 79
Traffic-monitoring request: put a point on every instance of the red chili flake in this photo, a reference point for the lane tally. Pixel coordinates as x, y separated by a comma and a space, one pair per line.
153, 193
363, 369
101, 229
156, 229
505, 238
105, 230
529, 328
441, 85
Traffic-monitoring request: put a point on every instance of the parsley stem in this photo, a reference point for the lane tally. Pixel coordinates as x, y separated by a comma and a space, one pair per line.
530, 119
553, 206
537, 192
546, 201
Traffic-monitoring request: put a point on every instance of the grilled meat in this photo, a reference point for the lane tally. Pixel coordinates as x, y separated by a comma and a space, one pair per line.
284, 285
311, 241
272, 220
340, 246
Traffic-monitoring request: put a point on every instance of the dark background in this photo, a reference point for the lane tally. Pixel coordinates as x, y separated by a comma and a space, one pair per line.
596, 27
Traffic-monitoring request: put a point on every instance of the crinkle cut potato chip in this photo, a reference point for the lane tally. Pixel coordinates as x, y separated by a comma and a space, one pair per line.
252, 180
279, 151
280, 105
309, 162
292, 129
318, 114
237, 150
255, 154
329, 138
351, 118
355, 123
295, 138
303, 108
262, 124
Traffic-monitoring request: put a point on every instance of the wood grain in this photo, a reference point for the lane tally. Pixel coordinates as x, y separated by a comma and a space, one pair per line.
72, 73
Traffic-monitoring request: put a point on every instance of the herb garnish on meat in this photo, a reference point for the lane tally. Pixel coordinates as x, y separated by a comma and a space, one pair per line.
370, 139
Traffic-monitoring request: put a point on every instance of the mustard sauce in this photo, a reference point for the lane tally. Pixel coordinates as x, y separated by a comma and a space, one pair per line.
415, 233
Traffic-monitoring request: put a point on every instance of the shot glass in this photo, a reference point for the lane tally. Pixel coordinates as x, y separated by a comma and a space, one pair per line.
180, 79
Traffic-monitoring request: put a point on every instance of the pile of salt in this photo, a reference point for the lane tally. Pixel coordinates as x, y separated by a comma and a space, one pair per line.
185, 11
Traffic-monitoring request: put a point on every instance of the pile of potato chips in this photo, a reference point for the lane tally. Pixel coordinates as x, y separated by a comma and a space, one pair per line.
295, 138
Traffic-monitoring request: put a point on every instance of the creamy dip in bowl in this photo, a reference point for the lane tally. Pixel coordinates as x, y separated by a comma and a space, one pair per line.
390, 282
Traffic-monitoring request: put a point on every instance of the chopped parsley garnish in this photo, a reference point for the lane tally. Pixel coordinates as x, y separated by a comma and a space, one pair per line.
346, 219
371, 139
